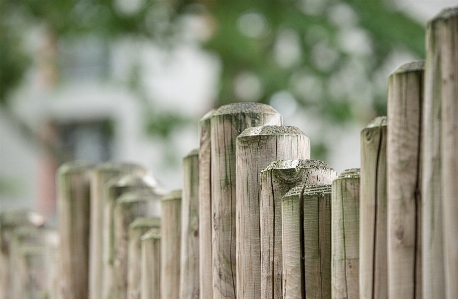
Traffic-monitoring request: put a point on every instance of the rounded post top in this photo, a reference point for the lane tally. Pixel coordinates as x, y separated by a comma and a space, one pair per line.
143, 222
74, 167
295, 191
118, 167
270, 131
135, 180
173, 195
414, 66
379, 121
351, 173
207, 116
193, 153
445, 14
244, 107
154, 233
317, 189
17, 217
138, 195
297, 164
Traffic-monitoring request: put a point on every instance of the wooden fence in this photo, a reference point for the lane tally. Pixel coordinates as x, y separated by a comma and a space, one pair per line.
257, 218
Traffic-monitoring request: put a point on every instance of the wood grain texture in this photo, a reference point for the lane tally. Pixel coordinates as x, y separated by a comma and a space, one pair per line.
256, 147
151, 264
170, 245
74, 202
373, 212
134, 262
205, 211
345, 235
449, 91
99, 178
226, 124
129, 206
405, 101
432, 247
115, 188
276, 180
11, 220
189, 258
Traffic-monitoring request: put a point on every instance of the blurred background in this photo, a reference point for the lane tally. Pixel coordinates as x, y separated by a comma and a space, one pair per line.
128, 80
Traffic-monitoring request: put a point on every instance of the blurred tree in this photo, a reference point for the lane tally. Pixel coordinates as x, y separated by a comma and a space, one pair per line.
324, 55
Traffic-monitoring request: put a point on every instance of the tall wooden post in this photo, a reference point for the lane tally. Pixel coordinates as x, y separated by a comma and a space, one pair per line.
345, 235
433, 243
189, 273
9, 221
256, 147
205, 211
170, 245
136, 230
276, 180
405, 101
373, 277
226, 124
73, 202
99, 178
151, 264
129, 206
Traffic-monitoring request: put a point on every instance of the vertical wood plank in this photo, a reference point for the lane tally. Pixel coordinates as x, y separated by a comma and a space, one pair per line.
170, 245
373, 211
405, 100
189, 257
151, 264
345, 235
226, 124
276, 180
256, 147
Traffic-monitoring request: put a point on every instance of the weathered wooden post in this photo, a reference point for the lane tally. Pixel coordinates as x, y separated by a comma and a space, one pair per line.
9, 221
136, 230
448, 20
433, 243
205, 211
256, 147
73, 203
99, 178
405, 101
345, 235
226, 124
151, 264
189, 273
276, 180
170, 245
129, 206
373, 277
115, 188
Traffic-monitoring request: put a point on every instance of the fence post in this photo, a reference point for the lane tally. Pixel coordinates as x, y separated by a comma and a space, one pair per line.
9, 221
256, 147
99, 178
226, 124
433, 242
373, 212
405, 100
136, 230
189, 258
170, 245
151, 264
345, 235
205, 204
276, 180
129, 206
449, 91
73, 202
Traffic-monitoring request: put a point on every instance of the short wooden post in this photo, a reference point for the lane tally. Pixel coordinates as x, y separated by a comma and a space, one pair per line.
373, 277
276, 180
99, 178
115, 188
226, 124
170, 245
256, 147
151, 264
189, 273
9, 221
345, 235
448, 31
136, 230
405, 101
433, 244
73, 203
129, 206
205, 212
